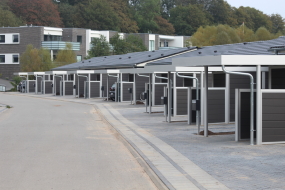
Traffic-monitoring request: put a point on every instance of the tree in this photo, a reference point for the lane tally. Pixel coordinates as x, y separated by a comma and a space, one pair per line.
187, 19
100, 47
136, 43
126, 21
67, 12
144, 12
65, 56
35, 60
7, 18
40, 13
278, 23
262, 34
132, 43
164, 27
96, 15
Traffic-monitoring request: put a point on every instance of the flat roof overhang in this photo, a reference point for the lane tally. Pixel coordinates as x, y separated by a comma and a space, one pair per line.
56, 72
229, 60
81, 72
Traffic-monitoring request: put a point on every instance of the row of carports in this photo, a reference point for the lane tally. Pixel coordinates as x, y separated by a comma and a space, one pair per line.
217, 97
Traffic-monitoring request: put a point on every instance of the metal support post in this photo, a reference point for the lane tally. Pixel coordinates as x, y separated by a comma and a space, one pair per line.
206, 103
149, 94
169, 103
258, 106
227, 99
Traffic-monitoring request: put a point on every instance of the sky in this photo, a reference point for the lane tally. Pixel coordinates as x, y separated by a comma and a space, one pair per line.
266, 6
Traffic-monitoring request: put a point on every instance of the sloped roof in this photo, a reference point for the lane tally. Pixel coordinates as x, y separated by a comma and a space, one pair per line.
248, 48
129, 60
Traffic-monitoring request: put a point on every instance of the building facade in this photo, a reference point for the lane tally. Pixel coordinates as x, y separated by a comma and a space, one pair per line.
14, 40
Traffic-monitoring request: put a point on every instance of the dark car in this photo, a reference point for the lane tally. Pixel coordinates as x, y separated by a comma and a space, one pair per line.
112, 92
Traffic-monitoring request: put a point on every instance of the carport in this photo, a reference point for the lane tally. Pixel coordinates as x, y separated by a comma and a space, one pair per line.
270, 103
29, 84
54, 84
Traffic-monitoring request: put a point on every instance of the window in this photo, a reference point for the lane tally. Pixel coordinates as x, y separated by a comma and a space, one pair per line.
52, 38
15, 58
15, 38
2, 58
2, 38
79, 39
79, 58
151, 45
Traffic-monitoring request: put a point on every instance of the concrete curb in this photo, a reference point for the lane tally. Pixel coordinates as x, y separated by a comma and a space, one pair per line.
152, 175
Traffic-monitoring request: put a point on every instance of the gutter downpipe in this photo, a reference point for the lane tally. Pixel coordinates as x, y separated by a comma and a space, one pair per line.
251, 100
78, 83
147, 97
169, 108
197, 98
115, 89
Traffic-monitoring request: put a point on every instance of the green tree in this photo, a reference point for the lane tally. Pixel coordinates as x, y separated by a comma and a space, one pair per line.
35, 60
278, 23
262, 34
67, 13
144, 12
65, 56
135, 43
16, 81
187, 19
164, 27
132, 43
99, 47
96, 15
7, 18
126, 21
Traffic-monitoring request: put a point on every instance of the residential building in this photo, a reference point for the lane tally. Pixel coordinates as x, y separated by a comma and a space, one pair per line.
14, 40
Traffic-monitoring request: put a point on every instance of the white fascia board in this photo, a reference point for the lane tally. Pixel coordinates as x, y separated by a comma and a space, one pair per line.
231, 60
109, 71
81, 72
23, 73
166, 37
56, 72
39, 73
134, 70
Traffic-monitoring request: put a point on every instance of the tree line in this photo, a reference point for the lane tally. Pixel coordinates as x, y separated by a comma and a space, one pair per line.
180, 17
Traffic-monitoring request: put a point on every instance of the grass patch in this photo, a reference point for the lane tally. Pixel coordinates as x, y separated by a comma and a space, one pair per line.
8, 106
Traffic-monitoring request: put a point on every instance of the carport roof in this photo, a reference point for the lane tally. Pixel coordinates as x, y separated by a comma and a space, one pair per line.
123, 61
248, 48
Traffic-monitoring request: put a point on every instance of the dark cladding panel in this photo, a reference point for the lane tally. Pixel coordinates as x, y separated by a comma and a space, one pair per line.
216, 106
278, 78
31, 86
140, 85
159, 91
68, 88
39, 84
219, 80
95, 89
273, 117
126, 94
245, 115
48, 87
182, 101
57, 85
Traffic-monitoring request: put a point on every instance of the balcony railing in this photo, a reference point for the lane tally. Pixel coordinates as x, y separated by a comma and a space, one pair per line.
167, 48
58, 45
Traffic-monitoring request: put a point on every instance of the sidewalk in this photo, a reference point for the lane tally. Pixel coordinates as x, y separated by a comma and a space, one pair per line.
184, 160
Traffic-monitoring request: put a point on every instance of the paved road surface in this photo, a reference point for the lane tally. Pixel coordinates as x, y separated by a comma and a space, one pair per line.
49, 144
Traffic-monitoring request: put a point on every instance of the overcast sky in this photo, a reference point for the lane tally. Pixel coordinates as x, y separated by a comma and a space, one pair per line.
266, 6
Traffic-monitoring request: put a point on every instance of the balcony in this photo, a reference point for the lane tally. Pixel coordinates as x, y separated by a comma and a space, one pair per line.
167, 48
59, 45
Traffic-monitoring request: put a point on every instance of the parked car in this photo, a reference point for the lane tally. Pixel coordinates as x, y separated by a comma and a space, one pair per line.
112, 92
